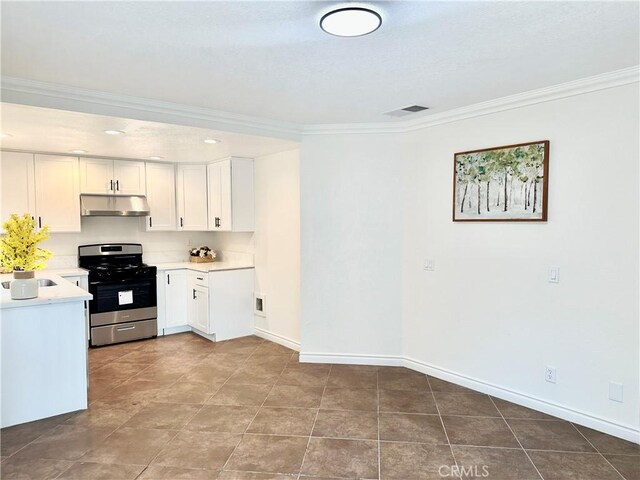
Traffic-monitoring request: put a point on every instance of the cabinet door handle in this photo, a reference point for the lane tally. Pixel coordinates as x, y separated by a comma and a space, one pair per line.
39, 222
181, 223
217, 222
200, 278
150, 222
118, 185
168, 279
111, 185
194, 293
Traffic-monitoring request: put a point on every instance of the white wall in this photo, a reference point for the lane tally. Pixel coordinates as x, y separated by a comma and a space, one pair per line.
487, 312
277, 245
375, 206
351, 251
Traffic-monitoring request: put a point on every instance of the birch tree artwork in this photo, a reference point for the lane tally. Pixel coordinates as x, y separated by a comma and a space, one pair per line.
502, 184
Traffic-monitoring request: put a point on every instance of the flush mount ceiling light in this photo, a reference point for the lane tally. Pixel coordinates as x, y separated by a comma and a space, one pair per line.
155, 157
114, 132
351, 21
78, 151
211, 141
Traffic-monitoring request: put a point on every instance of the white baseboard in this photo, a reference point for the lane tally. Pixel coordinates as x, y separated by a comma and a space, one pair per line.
351, 359
557, 410
279, 339
204, 335
180, 329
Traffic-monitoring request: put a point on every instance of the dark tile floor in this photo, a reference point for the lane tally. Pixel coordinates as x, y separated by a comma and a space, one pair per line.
181, 407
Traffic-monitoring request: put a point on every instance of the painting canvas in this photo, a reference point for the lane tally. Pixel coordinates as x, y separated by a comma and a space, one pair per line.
497, 184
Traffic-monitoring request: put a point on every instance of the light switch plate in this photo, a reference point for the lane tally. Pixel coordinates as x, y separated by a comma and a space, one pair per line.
554, 275
429, 264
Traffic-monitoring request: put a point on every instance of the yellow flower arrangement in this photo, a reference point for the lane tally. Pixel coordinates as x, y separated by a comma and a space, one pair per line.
19, 247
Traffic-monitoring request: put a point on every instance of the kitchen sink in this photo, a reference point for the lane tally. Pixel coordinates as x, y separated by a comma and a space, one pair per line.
42, 282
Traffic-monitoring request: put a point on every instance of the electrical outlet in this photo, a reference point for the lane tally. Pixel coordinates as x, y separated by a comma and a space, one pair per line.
554, 275
550, 374
615, 391
429, 264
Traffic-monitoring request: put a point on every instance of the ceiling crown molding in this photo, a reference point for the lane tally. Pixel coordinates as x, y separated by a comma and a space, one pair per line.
49, 95
65, 97
576, 87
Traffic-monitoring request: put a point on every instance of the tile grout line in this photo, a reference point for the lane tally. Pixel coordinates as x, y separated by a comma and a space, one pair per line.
257, 411
597, 450
515, 436
443, 427
199, 410
177, 432
324, 389
73, 462
65, 421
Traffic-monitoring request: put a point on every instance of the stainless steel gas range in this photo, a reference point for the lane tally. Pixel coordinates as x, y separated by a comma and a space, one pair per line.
124, 305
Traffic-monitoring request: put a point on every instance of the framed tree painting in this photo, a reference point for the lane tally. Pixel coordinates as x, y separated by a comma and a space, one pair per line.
502, 184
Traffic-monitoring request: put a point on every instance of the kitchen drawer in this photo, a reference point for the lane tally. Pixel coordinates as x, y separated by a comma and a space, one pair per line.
200, 279
123, 332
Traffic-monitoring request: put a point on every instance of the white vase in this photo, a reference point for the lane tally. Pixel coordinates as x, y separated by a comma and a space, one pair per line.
24, 285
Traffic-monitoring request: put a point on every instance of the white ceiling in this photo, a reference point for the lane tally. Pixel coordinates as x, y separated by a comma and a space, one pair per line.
271, 60
59, 131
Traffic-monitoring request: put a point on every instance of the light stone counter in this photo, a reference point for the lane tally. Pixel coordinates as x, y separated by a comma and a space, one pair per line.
203, 267
64, 291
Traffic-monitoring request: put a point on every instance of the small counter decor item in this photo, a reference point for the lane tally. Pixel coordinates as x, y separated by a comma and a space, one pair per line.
201, 255
19, 253
502, 184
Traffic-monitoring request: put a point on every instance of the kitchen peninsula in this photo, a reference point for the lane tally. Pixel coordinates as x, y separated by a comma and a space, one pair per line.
44, 351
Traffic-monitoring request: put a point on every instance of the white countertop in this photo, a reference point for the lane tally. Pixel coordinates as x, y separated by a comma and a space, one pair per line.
203, 267
64, 291
68, 272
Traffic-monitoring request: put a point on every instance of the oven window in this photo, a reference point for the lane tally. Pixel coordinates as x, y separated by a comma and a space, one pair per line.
126, 295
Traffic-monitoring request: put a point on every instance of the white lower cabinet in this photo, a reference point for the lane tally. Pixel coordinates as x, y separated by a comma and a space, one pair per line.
231, 303
175, 299
216, 303
198, 309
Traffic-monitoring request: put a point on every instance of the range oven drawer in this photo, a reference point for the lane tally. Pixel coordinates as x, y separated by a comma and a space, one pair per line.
123, 332
123, 316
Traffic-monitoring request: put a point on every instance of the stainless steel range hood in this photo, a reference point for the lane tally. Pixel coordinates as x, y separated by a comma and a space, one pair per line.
113, 205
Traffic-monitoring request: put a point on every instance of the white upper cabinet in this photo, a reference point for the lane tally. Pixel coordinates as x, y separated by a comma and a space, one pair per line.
17, 185
129, 177
119, 177
96, 176
57, 193
231, 195
191, 191
161, 195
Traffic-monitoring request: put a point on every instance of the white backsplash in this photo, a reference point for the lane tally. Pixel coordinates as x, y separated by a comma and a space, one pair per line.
158, 247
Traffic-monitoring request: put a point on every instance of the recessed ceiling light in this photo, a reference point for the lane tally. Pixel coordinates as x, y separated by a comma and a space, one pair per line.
351, 21
155, 157
114, 132
78, 151
211, 141
4, 135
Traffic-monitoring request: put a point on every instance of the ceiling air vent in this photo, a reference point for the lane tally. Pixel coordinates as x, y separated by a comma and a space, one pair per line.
403, 112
